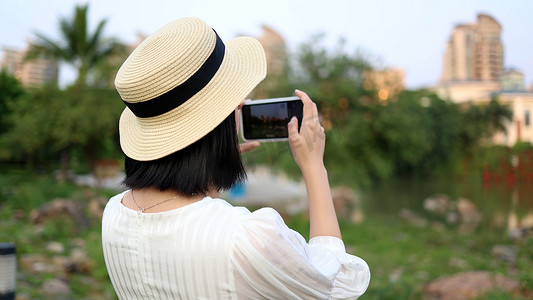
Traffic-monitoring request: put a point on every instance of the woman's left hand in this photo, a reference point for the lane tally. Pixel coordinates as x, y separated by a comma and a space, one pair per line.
245, 147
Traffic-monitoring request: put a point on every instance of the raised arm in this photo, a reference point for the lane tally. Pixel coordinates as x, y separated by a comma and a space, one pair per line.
307, 146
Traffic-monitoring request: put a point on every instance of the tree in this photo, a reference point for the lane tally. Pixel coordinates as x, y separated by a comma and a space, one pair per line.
48, 121
497, 116
80, 48
10, 90
86, 51
415, 134
333, 78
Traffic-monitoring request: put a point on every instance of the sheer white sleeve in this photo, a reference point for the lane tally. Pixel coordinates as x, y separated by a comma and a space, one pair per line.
272, 261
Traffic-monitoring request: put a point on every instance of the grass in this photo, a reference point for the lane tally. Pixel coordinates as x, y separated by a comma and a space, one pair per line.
20, 193
402, 257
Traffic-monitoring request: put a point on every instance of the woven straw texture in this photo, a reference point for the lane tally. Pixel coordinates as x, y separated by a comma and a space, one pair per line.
165, 60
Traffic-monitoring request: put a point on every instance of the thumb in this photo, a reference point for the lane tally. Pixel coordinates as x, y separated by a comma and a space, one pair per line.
245, 147
293, 127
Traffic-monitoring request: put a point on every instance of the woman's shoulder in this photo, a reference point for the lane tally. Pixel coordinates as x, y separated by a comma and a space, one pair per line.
115, 200
226, 207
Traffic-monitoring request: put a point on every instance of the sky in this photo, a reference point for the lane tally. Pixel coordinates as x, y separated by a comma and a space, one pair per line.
406, 34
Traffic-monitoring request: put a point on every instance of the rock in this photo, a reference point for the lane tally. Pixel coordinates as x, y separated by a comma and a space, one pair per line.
20, 296
56, 289
36, 264
468, 212
505, 253
80, 261
469, 216
96, 207
60, 208
413, 218
520, 228
55, 247
439, 203
469, 285
63, 263
452, 217
77, 242
344, 201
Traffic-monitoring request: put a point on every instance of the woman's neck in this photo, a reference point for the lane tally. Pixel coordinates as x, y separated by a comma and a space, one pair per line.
150, 200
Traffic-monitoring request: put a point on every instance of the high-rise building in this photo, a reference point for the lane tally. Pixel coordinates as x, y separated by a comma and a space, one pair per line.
33, 73
276, 57
275, 49
473, 73
11, 61
474, 52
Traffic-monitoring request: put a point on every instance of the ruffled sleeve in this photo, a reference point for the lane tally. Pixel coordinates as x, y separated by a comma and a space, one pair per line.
269, 260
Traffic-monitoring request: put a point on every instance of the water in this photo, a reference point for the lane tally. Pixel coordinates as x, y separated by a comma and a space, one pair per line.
504, 206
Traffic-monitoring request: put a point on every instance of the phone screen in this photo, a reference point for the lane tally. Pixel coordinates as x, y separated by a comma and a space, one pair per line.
268, 121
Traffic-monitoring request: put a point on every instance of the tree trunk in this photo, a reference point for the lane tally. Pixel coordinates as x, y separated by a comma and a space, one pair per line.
65, 165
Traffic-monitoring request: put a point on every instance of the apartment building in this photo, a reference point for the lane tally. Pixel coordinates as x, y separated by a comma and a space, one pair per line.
474, 52
34, 73
473, 72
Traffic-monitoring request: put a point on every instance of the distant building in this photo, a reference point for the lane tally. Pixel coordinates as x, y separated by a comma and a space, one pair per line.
11, 61
474, 52
467, 91
510, 92
387, 83
520, 129
275, 50
473, 73
34, 73
513, 80
276, 57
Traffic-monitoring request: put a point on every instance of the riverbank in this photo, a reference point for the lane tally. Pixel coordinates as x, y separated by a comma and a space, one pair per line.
59, 254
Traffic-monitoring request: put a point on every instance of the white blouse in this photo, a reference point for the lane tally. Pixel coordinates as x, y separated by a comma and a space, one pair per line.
212, 250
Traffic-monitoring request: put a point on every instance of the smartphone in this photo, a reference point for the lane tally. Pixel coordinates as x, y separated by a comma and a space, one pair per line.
266, 120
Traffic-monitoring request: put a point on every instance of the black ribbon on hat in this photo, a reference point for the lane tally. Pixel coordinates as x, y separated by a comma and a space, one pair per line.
183, 92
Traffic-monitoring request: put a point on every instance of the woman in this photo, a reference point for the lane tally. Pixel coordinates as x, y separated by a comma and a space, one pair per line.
169, 236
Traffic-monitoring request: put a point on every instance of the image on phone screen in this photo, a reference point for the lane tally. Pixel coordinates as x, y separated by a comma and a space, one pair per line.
266, 120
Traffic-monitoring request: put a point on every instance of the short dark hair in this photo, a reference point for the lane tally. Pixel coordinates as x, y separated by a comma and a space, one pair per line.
213, 162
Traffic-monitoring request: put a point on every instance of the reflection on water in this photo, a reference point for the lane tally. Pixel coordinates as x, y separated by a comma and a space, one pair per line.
519, 225
502, 206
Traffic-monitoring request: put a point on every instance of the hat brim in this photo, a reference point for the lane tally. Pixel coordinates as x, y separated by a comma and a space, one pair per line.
243, 68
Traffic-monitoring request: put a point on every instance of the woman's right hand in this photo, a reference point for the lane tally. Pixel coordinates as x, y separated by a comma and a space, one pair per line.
307, 144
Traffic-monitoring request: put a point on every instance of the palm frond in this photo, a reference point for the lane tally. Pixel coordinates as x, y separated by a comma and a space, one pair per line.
45, 47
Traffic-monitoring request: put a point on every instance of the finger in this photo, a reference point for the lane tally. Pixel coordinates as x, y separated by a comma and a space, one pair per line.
293, 127
310, 109
245, 147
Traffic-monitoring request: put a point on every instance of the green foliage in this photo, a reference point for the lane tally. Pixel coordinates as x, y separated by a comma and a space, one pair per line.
78, 47
402, 257
414, 133
22, 191
10, 91
47, 121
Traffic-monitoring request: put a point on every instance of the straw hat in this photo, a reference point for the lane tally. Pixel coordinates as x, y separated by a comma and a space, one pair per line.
182, 82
